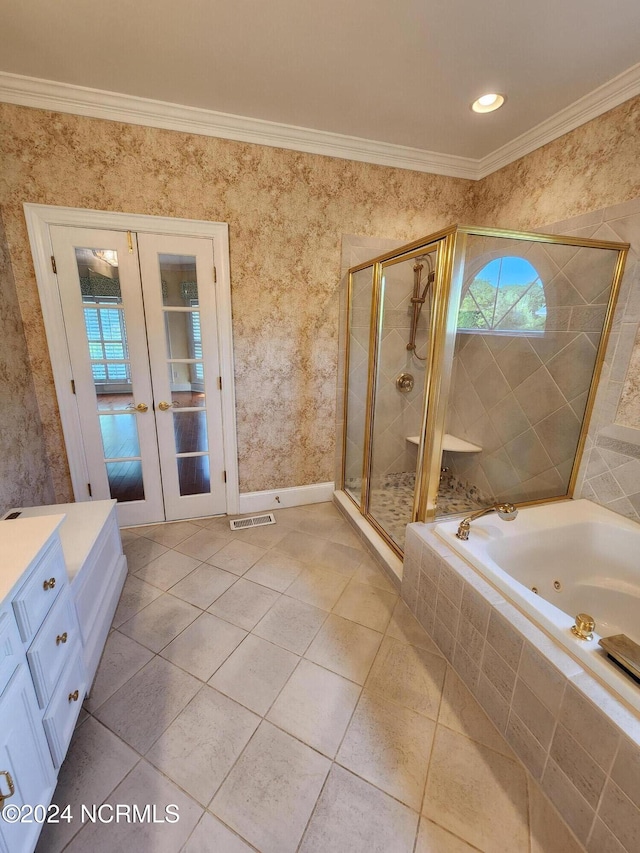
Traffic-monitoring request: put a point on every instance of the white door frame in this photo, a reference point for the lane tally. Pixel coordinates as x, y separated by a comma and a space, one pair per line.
39, 217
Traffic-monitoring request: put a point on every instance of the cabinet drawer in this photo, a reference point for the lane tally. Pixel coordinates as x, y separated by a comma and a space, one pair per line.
56, 643
36, 596
61, 716
10, 647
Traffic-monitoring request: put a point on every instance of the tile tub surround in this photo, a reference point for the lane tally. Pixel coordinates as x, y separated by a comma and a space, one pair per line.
331, 725
580, 744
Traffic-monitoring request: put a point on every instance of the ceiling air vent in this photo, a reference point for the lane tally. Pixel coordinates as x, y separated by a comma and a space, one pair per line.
252, 521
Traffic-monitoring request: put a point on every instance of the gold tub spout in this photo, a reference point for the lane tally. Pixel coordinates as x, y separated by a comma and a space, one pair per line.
506, 511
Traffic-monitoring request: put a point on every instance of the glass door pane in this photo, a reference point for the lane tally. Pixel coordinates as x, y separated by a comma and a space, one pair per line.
407, 287
360, 293
529, 325
110, 368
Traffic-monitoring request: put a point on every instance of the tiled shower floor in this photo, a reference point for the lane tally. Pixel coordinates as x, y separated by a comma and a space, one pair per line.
391, 504
272, 686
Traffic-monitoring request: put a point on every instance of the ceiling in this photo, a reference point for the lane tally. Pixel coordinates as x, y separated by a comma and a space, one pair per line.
400, 72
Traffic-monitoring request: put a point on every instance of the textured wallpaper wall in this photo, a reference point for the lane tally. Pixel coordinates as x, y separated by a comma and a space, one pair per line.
286, 212
24, 474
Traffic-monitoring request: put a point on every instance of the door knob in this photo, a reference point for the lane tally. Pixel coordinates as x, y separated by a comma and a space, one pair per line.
163, 406
141, 407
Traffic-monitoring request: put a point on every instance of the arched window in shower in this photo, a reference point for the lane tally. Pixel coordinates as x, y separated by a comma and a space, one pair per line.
505, 295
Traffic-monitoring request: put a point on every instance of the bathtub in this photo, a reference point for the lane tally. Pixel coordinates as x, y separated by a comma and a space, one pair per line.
580, 558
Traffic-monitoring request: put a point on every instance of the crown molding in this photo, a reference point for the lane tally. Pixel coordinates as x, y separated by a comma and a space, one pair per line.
96, 103
596, 103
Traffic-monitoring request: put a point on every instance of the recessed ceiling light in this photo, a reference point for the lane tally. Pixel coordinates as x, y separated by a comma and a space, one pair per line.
488, 103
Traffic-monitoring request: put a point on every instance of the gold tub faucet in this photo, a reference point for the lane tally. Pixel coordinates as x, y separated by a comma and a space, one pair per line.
506, 511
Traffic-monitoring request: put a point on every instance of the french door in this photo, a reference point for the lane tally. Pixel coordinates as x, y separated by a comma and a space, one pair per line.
140, 320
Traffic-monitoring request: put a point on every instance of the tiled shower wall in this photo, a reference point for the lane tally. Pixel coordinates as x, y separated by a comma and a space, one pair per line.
521, 397
610, 470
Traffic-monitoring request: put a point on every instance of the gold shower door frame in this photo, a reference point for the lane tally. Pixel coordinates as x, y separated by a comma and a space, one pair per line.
450, 245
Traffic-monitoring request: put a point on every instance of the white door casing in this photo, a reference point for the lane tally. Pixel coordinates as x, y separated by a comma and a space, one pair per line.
40, 219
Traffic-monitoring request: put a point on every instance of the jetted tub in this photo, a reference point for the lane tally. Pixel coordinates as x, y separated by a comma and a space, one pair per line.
581, 558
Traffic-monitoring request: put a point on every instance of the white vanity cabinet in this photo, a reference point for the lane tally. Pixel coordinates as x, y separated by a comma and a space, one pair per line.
40, 654
61, 573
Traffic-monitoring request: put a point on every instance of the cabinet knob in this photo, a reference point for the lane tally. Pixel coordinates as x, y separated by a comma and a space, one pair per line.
61, 638
73, 697
10, 785
50, 584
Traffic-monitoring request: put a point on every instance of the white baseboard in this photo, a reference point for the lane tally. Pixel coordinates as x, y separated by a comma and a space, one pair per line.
279, 498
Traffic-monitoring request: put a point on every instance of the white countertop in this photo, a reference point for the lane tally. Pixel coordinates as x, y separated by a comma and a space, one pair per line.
21, 541
85, 520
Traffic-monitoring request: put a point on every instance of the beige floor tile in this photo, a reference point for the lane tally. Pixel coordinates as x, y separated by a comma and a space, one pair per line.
121, 659
269, 795
301, 546
220, 525
460, 711
171, 533
203, 742
434, 839
315, 706
141, 551
262, 537
136, 594
255, 673
204, 645
236, 557
203, 585
339, 558
319, 587
549, 834
291, 516
354, 817
128, 534
404, 626
345, 647
369, 572
211, 836
203, 544
160, 622
389, 747
167, 569
477, 794
291, 624
97, 761
408, 676
275, 570
244, 604
367, 605
143, 786
148, 703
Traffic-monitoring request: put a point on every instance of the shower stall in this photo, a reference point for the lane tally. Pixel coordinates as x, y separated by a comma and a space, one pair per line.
472, 360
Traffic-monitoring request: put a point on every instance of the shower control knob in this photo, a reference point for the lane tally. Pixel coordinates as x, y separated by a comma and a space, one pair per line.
404, 382
584, 626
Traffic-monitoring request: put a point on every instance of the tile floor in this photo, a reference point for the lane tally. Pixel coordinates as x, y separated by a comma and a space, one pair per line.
271, 685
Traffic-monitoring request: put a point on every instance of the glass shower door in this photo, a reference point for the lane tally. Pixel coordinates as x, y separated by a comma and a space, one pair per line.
402, 359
